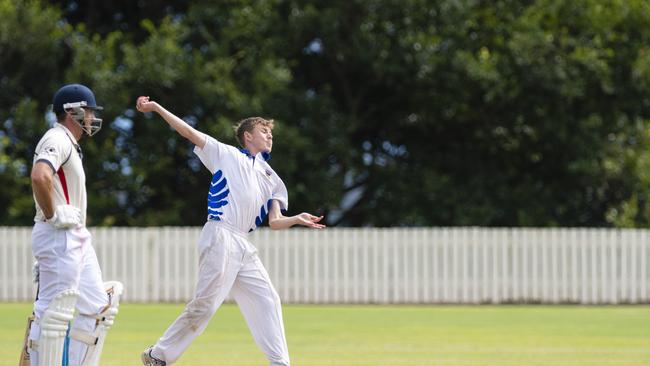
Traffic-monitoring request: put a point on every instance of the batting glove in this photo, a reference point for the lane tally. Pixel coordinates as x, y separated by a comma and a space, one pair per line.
36, 272
65, 217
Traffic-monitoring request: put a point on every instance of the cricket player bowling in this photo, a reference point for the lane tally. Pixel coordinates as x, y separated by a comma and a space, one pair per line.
243, 191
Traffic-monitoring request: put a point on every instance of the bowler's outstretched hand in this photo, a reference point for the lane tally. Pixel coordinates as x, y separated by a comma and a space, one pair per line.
309, 220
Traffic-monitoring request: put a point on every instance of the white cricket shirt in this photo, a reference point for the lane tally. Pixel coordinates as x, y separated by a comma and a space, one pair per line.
60, 151
242, 186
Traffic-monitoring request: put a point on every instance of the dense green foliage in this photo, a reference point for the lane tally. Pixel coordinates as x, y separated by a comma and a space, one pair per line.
499, 113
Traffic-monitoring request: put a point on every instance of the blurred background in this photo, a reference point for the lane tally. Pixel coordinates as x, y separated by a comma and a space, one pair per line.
389, 113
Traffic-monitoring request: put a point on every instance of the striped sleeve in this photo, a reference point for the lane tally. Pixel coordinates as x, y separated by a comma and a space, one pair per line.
54, 149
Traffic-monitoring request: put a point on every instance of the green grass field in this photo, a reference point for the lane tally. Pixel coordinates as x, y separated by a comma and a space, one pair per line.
386, 335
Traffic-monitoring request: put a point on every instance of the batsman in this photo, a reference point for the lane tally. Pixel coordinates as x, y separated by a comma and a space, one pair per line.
74, 308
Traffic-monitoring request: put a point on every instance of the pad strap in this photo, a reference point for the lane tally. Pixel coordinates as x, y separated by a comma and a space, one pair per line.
85, 337
104, 310
33, 344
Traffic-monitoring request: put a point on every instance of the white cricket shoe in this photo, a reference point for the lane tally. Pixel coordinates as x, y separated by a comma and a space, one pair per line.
149, 360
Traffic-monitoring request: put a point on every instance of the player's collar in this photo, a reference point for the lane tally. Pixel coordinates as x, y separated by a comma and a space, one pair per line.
67, 131
74, 142
265, 155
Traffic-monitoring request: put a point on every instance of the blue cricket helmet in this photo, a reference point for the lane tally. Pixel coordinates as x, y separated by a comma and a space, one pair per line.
74, 93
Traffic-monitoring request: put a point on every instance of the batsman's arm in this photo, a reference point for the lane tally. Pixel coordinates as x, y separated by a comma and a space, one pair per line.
196, 137
42, 185
277, 221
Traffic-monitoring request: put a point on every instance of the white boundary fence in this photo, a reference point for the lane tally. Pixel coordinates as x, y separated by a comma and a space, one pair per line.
371, 265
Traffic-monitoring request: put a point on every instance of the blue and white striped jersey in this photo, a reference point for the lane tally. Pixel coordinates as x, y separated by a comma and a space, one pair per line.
242, 187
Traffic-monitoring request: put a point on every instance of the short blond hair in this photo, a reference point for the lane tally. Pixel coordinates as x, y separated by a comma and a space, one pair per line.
248, 124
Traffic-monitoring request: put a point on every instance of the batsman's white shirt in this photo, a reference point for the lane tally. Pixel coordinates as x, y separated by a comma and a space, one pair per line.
60, 151
66, 258
242, 187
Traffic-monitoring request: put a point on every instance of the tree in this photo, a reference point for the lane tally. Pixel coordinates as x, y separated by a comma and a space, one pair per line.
30, 61
507, 113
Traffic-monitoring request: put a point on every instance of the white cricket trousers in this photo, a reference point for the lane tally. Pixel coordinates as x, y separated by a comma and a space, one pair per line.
228, 263
66, 260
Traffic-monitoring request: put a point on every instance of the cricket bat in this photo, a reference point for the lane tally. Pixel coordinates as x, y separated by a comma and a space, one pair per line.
24, 355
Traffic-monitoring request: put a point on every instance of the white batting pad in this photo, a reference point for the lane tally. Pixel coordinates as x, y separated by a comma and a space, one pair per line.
54, 325
105, 320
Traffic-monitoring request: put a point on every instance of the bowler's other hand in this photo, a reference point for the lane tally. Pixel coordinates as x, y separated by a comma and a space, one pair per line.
309, 220
144, 105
